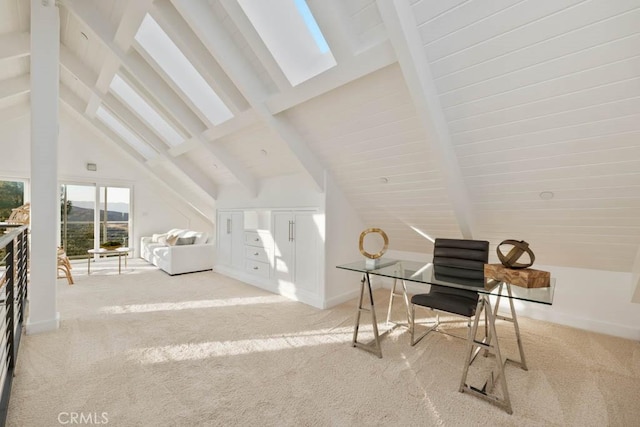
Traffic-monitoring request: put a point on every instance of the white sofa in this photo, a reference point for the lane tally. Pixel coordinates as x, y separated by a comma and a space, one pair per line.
179, 251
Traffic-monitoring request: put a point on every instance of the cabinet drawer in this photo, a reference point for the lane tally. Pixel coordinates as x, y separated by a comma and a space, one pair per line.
258, 268
253, 238
256, 254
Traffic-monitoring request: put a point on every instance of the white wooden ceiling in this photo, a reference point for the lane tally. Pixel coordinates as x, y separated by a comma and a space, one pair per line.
525, 96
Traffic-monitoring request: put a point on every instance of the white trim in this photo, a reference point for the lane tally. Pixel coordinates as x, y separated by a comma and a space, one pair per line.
269, 285
43, 325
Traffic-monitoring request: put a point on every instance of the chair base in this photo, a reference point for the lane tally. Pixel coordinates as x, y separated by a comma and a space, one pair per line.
433, 328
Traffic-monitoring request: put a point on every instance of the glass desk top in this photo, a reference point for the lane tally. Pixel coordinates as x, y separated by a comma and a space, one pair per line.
420, 272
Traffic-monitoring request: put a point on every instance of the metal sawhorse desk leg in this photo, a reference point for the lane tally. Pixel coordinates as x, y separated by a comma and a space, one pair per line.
374, 345
475, 346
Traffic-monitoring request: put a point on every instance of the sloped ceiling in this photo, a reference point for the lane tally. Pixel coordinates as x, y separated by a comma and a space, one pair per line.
440, 119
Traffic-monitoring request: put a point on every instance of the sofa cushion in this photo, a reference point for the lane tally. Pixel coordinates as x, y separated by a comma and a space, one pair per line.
172, 239
200, 236
182, 241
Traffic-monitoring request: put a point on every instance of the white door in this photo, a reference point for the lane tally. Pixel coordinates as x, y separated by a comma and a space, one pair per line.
306, 237
230, 239
225, 239
283, 259
237, 236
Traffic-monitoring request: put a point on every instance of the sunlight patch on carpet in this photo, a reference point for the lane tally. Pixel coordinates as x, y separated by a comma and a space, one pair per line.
205, 350
188, 305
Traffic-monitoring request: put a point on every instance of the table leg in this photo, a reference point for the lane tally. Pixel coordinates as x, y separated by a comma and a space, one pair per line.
405, 297
89, 265
514, 319
474, 347
119, 263
373, 346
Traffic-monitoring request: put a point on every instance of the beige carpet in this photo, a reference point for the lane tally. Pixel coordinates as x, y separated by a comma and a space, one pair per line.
146, 349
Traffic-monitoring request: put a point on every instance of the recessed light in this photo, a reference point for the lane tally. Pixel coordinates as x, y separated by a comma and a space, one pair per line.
546, 195
384, 180
264, 152
84, 35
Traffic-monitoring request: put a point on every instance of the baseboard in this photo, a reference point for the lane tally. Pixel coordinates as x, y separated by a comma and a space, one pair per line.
548, 314
32, 328
268, 285
573, 321
342, 298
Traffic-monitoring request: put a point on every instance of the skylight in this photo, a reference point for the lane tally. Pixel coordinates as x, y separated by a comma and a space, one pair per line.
292, 35
116, 125
173, 62
148, 113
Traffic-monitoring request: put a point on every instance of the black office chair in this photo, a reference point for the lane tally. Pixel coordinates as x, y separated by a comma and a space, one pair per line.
459, 261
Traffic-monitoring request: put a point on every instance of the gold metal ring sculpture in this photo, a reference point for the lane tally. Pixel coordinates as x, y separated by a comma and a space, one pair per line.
384, 248
510, 259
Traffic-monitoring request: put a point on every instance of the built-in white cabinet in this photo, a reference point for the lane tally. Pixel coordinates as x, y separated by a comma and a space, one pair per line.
296, 261
257, 253
230, 239
279, 250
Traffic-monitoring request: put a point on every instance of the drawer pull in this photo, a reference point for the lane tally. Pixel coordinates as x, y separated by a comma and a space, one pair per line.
255, 268
256, 253
257, 239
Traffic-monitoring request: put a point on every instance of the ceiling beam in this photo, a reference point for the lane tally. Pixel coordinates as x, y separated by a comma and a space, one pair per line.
182, 35
14, 112
76, 106
253, 39
200, 16
15, 45
160, 90
330, 16
366, 62
122, 37
241, 121
15, 86
403, 33
75, 67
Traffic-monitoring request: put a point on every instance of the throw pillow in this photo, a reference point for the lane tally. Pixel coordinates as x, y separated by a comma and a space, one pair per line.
182, 241
155, 238
171, 240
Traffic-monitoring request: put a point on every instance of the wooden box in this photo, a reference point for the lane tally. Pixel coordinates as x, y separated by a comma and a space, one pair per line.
524, 277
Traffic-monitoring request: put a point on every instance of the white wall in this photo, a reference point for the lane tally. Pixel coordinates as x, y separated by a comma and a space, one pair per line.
288, 191
595, 300
155, 208
635, 279
343, 228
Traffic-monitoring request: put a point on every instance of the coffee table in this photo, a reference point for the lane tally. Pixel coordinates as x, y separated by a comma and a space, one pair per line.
120, 252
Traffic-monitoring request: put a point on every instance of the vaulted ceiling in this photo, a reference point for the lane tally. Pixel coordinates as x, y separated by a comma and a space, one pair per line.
440, 118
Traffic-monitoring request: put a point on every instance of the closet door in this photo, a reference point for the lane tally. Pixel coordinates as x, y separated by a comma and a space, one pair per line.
237, 235
283, 259
225, 238
306, 258
230, 239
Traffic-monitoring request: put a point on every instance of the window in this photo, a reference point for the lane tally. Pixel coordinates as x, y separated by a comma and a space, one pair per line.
77, 219
141, 107
78, 230
292, 35
11, 196
157, 44
114, 225
125, 133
